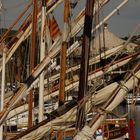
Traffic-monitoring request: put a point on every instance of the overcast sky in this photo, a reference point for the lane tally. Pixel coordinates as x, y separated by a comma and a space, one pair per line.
122, 24
128, 18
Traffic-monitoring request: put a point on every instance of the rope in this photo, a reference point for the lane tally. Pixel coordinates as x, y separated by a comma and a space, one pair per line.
132, 72
126, 43
122, 85
115, 114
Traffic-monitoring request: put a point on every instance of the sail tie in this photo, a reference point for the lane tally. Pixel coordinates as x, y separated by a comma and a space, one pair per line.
131, 72
122, 85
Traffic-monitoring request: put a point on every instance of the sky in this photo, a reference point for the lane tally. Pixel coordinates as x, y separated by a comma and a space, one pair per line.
121, 24
128, 18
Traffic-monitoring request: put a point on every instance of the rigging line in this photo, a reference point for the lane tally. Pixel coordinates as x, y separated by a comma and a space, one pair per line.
68, 60
4, 20
15, 22
123, 85
135, 94
99, 32
25, 60
95, 53
132, 73
136, 29
115, 114
104, 40
66, 119
93, 121
93, 49
62, 123
102, 47
118, 53
91, 92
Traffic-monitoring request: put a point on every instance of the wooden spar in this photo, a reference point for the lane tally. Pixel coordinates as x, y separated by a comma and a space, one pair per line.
127, 77
54, 92
110, 15
92, 61
26, 33
118, 95
15, 22
2, 88
33, 41
84, 62
64, 53
3, 77
32, 59
42, 55
75, 83
80, 18
53, 115
61, 109
25, 88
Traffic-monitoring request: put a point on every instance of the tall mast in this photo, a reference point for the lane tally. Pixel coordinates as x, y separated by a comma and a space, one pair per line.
84, 62
42, 55
63, 53
32, 58
2, 88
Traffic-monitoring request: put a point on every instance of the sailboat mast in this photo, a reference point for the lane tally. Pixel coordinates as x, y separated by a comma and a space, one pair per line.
2, 88
63, 53
32, 59
84, 62
42, 55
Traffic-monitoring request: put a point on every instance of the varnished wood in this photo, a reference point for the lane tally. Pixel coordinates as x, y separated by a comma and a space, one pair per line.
63, 56
84, 62
32, 59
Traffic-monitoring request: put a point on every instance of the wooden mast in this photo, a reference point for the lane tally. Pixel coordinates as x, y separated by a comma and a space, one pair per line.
84, 62
32, 59
63, 59
63, 53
